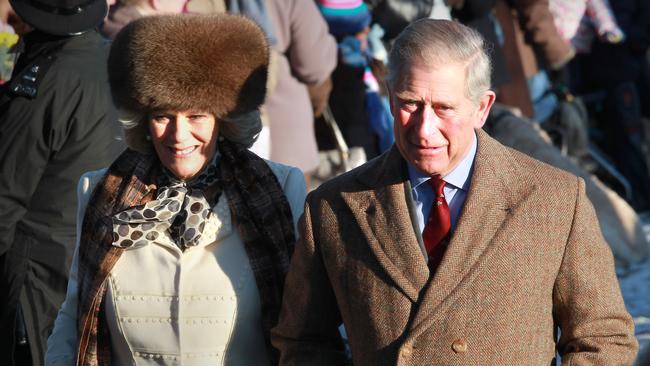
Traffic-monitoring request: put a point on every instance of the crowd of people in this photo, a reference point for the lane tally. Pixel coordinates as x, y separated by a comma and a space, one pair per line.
321, 182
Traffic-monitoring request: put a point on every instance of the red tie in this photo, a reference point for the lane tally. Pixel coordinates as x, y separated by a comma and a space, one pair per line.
438, 224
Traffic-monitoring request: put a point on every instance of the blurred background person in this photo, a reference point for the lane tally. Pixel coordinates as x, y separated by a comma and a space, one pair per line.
303, 57
354, 101
8, 39
121, 12
613, 74
56, 122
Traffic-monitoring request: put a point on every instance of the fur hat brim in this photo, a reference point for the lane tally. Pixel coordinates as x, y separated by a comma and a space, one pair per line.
214, 63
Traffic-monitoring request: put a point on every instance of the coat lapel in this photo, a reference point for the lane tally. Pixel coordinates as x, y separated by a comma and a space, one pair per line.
382, 214
495, 190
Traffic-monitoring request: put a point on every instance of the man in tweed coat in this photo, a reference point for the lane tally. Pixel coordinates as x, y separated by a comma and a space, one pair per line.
523, 259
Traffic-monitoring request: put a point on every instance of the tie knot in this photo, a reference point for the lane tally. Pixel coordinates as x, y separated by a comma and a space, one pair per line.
438, 185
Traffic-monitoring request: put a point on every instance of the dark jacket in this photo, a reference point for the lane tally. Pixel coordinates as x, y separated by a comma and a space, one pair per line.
479, 14
395, 15
540, 43
56, 122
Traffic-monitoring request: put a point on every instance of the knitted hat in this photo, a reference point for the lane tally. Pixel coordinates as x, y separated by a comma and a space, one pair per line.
215, 63
345, 17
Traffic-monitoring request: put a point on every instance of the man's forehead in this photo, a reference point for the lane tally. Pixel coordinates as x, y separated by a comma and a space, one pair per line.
406, 75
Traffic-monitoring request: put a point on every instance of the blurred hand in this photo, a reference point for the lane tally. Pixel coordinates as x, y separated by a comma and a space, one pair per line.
564, 60
613, 37
116, 20
319, 95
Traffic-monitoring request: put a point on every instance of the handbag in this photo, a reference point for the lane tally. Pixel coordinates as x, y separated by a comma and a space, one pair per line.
338, 160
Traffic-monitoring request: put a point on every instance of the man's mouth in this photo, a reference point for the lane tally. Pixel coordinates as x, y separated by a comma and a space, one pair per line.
430, 149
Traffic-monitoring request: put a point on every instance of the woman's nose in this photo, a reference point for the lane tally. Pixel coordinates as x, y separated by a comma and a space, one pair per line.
181, 128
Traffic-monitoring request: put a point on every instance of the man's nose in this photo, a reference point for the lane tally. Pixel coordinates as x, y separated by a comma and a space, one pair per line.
428, 122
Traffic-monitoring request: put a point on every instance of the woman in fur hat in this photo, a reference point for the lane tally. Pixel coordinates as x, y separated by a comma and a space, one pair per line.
184, 241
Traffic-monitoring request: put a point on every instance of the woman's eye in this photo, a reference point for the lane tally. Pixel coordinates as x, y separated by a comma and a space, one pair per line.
161, 119
197, 117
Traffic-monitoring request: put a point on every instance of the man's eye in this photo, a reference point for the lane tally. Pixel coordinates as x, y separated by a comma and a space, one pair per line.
409, 105
444, 109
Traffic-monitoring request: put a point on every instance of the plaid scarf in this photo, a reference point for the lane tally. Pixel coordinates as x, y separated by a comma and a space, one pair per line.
260, 212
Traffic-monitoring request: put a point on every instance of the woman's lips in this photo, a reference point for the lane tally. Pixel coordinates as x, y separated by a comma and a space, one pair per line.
182, 152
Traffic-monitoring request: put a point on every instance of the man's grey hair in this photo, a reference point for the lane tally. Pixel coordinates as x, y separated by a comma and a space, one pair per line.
242, 129
441, 42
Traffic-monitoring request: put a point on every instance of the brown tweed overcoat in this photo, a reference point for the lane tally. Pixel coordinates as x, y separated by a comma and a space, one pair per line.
527, 257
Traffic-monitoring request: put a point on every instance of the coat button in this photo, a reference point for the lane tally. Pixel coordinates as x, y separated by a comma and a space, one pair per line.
459, 346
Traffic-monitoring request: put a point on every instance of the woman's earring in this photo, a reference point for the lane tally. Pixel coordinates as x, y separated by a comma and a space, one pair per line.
147, 137
220, 138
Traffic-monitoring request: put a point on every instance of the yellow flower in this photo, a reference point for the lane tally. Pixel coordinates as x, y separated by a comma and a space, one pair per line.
8, 39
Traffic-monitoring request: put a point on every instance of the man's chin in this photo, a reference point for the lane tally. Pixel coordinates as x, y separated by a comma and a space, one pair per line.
429, 169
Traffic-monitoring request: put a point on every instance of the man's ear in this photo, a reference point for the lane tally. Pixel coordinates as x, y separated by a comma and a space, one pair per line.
483, 109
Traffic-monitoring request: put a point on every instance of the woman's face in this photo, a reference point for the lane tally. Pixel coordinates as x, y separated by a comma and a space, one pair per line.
185, 141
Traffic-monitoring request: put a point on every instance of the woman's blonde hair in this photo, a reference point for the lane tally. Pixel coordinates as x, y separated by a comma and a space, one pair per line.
242, 129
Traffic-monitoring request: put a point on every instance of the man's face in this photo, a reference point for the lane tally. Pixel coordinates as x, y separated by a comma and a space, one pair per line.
434, 119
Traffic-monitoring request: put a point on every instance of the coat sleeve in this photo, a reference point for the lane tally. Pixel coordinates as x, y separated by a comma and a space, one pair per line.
296, 191
293, 185
307, 332
538, 24
595, 327
27, 138
312, 51
62, 344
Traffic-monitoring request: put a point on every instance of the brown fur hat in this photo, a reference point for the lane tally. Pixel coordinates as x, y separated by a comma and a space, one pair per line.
215, 63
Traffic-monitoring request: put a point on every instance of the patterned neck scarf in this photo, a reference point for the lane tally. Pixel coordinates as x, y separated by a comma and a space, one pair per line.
180, 208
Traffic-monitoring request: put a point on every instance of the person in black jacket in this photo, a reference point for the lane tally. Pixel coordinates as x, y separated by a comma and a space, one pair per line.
56, 122
618, 70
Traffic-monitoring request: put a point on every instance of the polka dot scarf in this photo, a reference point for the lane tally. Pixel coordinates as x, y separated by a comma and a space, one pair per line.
180, 207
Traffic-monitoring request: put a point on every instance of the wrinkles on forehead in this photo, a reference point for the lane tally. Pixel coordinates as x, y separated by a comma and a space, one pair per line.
402, 75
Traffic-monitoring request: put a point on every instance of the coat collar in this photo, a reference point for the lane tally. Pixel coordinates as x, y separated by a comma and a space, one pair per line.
379, 209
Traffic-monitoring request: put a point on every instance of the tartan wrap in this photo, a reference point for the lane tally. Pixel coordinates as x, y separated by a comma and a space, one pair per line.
260, 212
128, 182
263, 218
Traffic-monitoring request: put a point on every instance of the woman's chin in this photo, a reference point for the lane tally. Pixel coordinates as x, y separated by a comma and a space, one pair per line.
184, 171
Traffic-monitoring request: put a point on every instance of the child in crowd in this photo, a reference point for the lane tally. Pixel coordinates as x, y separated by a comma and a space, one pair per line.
354, 83
579, 22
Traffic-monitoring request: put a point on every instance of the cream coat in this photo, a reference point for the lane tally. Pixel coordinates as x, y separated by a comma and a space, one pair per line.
194, 307
62, 344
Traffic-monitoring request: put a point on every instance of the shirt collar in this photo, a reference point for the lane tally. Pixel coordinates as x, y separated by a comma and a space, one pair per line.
457, 177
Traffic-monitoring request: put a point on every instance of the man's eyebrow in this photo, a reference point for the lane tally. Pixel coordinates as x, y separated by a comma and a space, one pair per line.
406, 95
